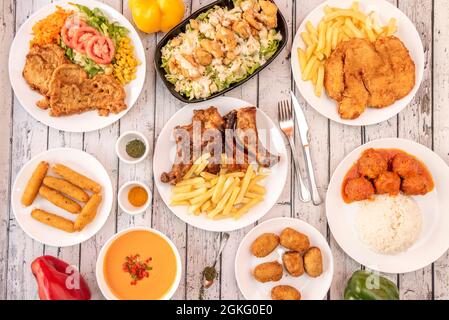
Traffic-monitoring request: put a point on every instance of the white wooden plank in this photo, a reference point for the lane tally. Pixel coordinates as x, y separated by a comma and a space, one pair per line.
274, 85
101, 145
29, 139
140, 118
415, 123
441, 119
343, 139
7, 15
319, 145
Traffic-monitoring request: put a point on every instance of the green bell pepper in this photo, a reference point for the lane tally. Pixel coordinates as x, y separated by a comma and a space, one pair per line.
365, 285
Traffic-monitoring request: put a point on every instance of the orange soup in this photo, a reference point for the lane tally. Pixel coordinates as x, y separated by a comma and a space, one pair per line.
140, 265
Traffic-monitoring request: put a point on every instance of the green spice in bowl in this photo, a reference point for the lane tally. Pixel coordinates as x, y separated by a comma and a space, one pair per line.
135, 148
131, 147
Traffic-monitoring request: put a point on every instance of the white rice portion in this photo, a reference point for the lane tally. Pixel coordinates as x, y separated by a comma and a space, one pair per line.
389, 225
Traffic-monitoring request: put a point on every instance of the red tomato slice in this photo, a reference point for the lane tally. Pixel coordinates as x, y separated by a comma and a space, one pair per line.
71, 24
82, 36
100, 49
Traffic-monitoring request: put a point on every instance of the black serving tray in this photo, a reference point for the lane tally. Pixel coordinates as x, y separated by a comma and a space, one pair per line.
282, 28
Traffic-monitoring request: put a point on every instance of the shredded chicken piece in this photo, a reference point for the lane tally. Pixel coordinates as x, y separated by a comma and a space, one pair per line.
213, 47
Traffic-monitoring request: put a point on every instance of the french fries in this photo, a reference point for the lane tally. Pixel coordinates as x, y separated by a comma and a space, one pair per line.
222, 195
337, 25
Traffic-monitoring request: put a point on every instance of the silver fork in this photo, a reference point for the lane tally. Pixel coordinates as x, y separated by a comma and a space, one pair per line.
285, 117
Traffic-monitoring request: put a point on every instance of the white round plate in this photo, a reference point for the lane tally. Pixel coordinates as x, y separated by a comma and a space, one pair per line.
434, 238
107, 293
164, 155
310, 288
407, 33
27, 97
80, 161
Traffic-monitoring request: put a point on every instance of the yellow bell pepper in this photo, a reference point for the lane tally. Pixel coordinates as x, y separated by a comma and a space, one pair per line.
156, 15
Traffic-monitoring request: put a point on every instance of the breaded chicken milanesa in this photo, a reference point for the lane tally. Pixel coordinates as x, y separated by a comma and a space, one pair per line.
40, 63
72, 92
360, 74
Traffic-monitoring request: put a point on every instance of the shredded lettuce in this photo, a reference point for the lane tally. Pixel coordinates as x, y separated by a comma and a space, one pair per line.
97, 19
271, 49
90, 66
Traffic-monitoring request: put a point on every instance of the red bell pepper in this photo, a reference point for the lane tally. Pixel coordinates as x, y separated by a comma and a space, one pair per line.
57, 280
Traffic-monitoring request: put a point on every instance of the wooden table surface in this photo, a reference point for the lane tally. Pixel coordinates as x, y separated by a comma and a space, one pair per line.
425, 120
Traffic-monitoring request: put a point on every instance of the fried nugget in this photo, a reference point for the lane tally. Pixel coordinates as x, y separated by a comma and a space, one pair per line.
294, 240
284, 292
313, 262
293, 263
58, 199
35, 182
88, 212
67, 188
53, 220
264, 244
76, 178
268, 271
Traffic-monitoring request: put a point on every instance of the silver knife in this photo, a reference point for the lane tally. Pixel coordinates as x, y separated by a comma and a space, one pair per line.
304, 135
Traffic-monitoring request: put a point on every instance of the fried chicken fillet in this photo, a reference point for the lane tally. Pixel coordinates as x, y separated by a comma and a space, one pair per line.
71, 92
360, 74
40, 64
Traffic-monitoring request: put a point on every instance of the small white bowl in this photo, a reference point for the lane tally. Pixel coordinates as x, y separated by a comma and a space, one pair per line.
104, 288
122, 141
123, 201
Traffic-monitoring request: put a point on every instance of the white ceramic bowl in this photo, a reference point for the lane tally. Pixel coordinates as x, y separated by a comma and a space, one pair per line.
107, 293
120, 146
123, 201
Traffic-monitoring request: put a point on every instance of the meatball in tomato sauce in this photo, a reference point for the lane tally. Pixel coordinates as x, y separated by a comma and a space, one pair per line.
359, 189
405, 165
371, 164
388, 182
416, 185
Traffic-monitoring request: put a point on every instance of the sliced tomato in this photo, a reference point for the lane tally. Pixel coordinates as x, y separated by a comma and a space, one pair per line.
100, 49
82, 36
71, 24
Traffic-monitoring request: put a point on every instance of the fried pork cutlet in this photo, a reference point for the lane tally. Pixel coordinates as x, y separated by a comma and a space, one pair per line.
40, 63
359, 73
72, 92
397, 57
